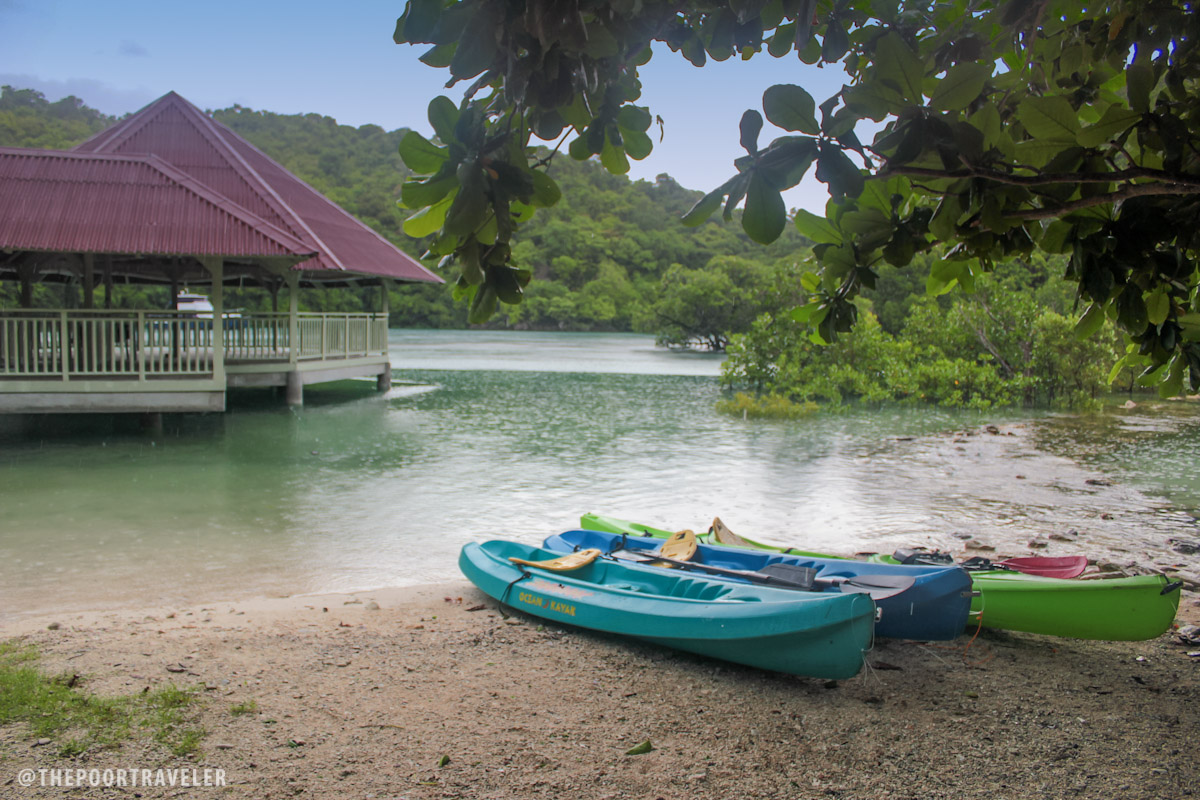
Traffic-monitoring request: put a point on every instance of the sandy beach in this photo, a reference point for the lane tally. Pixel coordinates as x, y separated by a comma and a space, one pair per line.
436, 692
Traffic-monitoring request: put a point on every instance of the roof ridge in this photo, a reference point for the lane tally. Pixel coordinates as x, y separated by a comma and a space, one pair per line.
366, 228
268, 188
125, 130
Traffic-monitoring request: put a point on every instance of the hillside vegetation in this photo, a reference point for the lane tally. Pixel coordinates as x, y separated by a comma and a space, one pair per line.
611, 255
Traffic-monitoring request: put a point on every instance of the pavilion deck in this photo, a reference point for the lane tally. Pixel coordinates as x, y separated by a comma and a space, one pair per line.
57, 360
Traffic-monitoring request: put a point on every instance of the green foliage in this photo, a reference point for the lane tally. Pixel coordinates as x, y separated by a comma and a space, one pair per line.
1005, 344
56, 707
771, 406
27, 119
1003, 130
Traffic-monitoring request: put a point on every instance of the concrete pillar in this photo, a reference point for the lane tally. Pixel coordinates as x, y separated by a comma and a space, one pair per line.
295, 389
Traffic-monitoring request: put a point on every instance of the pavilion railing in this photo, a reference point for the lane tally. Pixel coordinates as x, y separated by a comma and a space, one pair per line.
82, 344
266, 336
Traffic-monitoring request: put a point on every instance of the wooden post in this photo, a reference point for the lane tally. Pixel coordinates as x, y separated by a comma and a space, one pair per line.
108, 283
89, 281
27, 273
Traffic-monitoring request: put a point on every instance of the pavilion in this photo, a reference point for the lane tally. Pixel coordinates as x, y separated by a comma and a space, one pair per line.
170, 196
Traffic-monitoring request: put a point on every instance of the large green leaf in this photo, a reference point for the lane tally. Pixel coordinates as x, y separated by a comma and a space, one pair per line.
1139, 83
634, 118
750, 127
1091, 321
962, 86
637, 144
613, 158
818, 229
704, 208
483, 306
765, 215
871, 227
421, 155
839, 172
898, 66
1049, 117
476, 48
428, 220
418, 21
418, 194
443, 115
545, 191
1158, 306
943, 276
944, 224
1116, 120
791, 108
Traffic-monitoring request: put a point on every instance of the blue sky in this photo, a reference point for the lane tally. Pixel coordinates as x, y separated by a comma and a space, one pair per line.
338, 60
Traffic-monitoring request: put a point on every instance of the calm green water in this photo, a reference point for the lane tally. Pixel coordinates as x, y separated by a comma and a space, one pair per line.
515, 435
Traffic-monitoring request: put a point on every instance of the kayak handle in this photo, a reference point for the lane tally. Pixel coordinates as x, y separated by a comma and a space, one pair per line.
1170, 587
972, 594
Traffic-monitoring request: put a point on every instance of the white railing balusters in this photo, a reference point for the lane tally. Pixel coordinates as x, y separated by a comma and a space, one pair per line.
74, 344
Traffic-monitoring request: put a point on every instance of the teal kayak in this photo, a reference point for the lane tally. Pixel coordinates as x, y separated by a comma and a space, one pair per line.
812, 634
1111, 609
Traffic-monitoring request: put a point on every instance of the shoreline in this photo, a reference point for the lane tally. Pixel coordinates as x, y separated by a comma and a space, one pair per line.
432, 691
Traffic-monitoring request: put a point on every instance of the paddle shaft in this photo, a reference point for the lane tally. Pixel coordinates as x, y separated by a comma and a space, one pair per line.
879, 586
745, 574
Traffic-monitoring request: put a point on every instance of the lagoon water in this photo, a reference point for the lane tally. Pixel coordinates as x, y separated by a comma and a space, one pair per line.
514, 435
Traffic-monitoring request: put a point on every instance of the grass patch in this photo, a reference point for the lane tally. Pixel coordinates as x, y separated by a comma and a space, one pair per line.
242, 709
56, 707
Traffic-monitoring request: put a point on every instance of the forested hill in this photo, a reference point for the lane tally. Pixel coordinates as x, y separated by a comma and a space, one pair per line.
601, 257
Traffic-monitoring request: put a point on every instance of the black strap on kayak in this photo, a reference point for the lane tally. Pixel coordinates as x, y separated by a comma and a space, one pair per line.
515, 581
934, 558
1170, 587
979, 563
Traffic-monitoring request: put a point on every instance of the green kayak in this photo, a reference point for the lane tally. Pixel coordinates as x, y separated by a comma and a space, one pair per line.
1111, 609
803, 633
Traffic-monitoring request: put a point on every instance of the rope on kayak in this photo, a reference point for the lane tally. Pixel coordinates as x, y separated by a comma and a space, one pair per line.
504, 597
975, 635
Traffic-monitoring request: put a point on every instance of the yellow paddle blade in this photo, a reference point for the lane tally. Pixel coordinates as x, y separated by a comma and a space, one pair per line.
725, 536
563, 563
680, 546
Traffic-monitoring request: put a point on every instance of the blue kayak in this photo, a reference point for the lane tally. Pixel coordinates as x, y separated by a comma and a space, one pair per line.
934, 607
816, 634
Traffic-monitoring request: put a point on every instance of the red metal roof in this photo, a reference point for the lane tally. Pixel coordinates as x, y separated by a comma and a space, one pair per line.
58, 201
181, 134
